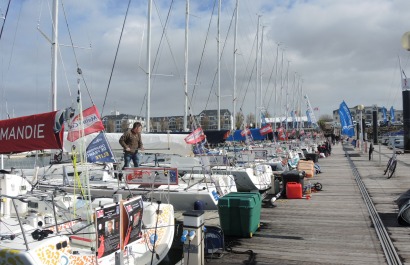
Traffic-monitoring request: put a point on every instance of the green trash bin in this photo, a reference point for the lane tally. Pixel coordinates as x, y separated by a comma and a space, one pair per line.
240, 213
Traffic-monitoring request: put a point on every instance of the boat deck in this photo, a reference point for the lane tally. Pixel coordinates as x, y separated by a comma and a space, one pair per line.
333, 226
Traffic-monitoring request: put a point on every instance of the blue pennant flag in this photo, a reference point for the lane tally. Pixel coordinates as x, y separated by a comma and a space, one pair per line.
308, 117
99, 150
392, 118
346, 120
384, 110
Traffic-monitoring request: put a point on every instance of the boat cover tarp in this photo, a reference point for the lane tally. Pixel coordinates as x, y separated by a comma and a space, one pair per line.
153, 143
212, 136
256, 135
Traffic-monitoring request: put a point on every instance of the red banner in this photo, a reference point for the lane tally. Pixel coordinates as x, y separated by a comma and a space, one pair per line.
91, 121
265, 129
29, 133
245, 131
195, 136
281, 134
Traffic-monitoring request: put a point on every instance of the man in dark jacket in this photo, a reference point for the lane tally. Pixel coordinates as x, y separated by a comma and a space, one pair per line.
131, 142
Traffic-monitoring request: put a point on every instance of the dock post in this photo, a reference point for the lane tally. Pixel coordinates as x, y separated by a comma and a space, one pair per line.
193, 237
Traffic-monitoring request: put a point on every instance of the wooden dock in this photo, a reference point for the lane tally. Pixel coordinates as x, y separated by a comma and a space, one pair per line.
334, 225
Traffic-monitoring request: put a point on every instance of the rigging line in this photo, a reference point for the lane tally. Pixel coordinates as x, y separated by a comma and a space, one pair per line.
164, 33
164, 26
220, 56
202, 55
246, 68
247, 87
5, 17
12, 47
267, 86
75, 55
250, 76
115, 58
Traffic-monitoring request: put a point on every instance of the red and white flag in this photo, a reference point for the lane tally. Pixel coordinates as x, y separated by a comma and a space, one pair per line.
281, 134
245, 131
195, 136
91, 123
265, 129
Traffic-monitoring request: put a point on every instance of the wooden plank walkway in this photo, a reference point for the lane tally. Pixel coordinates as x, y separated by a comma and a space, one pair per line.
334, 226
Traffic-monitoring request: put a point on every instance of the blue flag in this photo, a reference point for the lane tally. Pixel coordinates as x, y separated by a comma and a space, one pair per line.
99, 150
346, 120
384, 110
392, 118
292, 114
263, 119
308, 117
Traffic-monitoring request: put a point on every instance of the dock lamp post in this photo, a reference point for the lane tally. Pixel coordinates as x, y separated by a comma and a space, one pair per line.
360, 108
405, 42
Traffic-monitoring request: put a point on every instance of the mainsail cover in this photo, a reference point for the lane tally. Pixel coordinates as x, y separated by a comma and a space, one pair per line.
30, 133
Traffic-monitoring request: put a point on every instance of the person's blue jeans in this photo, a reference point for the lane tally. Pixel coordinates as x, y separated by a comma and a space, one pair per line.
131, 156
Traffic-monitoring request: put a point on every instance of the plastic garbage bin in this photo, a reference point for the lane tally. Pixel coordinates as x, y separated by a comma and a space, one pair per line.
239, 213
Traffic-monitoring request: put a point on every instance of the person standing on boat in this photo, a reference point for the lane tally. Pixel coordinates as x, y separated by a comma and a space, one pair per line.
131, 142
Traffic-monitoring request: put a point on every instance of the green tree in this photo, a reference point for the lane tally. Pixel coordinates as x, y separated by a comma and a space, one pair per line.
239, 119
322, 121
205, 122
124, 125
110, 126
250, 118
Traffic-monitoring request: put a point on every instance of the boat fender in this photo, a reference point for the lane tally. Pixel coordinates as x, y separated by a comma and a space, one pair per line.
149, 216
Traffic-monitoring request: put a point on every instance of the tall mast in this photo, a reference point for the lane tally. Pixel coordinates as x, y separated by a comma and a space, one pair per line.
276, 79
286, 99
234, 67
257, 116
54, 47
147, 122
219, 66
260, 84
186, 66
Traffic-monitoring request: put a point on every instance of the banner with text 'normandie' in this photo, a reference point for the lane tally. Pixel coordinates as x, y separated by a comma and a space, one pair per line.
29, 133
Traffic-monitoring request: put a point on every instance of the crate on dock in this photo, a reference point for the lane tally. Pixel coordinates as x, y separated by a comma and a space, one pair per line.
308, 167
239, 213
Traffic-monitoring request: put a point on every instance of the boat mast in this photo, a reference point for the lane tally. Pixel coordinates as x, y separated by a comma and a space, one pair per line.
233, 125
260, 83
186, 67
276, 81
54, 48
286, 97
257, 75
219, 65
147, 122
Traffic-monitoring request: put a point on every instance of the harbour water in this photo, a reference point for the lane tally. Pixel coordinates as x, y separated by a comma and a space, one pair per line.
23, 162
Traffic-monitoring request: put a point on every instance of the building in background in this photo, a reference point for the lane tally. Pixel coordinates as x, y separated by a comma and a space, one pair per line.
207, 119
368, 115
119, 123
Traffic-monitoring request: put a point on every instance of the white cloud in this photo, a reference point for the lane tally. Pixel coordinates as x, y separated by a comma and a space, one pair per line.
342, 49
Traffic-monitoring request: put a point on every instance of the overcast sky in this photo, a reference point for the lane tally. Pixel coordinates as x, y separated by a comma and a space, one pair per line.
332, 50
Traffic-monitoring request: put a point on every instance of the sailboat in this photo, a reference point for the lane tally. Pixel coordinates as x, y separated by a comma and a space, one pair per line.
48, 227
